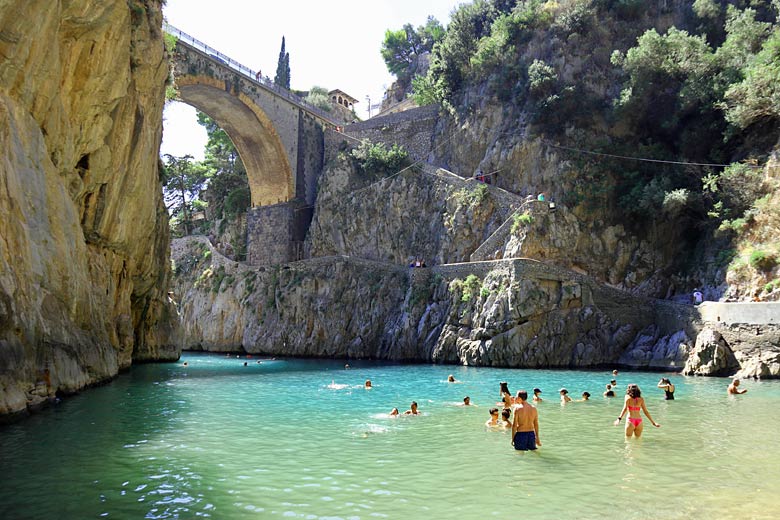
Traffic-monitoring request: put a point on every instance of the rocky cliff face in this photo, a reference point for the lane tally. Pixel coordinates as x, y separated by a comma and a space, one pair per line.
332, 306
516, 313
83, 238
437, 217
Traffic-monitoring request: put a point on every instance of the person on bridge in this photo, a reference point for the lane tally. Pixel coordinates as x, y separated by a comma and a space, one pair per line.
258, 75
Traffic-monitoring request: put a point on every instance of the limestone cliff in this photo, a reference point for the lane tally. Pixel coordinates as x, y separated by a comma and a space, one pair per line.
518, 313
83, 238
435, 216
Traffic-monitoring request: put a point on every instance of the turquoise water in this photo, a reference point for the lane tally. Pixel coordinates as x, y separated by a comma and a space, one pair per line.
219, 440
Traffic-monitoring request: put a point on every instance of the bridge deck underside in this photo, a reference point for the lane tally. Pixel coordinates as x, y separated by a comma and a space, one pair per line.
270, 178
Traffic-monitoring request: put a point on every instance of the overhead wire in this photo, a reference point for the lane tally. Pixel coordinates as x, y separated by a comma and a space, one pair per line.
643, 159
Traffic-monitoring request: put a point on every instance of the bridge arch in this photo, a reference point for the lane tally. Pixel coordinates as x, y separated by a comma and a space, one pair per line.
271, 177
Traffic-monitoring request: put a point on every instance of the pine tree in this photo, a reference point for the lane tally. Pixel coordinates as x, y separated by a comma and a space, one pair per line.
282, 77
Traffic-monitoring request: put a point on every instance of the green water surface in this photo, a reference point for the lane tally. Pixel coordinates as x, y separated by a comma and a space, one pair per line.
304, 439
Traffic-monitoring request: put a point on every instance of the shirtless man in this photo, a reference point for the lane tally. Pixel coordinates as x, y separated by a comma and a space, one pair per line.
734, 388
525, 427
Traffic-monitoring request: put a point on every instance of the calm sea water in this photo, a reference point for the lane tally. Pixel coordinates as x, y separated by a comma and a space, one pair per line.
280, 439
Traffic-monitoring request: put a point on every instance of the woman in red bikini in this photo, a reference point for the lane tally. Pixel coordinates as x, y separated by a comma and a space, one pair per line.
633, 404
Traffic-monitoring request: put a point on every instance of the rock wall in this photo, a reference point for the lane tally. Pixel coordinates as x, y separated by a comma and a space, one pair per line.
84, 236
438, 217
413, 129
516, 313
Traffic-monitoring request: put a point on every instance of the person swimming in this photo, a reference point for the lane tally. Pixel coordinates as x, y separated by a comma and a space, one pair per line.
634, 402
506, 396
506, 413
467, 401
368, 384
585, 396
609, 392
412, 409
394, 412
451, 379
494, 421
667, 387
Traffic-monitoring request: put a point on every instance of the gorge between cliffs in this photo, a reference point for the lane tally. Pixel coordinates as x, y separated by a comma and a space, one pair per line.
544, 245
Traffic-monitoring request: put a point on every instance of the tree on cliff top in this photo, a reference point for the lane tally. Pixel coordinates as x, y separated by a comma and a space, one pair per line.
401, 49
282, 77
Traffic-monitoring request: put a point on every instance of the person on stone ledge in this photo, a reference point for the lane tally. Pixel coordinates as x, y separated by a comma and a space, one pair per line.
667, 387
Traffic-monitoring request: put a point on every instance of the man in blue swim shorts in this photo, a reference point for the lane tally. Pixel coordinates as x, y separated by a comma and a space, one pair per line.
525, 427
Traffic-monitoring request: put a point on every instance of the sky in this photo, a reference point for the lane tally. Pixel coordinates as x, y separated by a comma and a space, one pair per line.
334, 44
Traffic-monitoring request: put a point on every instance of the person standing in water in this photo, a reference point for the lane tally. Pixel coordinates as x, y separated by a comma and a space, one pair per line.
525, 427
493, 422
667, 387
633, 403
412, 409
537, 397
734, 388
564, 395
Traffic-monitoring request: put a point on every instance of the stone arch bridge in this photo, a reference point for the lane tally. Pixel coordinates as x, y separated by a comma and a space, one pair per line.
278, 136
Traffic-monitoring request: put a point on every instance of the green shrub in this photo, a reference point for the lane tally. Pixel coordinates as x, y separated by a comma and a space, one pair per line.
318, 97
237, 202
376, 158
217, 277
762, 260
471, 285
472, 196
521, 219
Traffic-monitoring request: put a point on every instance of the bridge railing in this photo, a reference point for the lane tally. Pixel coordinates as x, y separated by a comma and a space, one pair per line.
248, 73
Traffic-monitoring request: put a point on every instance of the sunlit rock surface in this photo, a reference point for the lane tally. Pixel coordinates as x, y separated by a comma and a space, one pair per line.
83, 233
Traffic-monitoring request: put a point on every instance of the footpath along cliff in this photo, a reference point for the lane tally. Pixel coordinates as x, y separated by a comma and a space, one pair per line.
83, 236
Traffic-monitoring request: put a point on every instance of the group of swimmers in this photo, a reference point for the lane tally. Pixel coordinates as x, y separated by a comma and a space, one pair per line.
525, 424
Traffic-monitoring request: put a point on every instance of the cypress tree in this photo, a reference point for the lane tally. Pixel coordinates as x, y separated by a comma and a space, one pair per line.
282, 77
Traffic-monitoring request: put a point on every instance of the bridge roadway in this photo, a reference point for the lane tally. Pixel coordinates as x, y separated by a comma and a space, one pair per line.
183, 38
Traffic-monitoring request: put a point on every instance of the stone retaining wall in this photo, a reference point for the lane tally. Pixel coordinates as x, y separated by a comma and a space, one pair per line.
411, 129
749, 313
